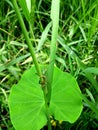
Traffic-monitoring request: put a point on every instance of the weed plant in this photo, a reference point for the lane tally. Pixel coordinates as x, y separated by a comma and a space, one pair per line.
77, 53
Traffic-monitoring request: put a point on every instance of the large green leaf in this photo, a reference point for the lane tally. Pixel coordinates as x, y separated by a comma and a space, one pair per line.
26, 103
66, 102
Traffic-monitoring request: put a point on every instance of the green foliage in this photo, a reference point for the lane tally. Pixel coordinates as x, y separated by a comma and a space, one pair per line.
66, 101
27, 103
77, 52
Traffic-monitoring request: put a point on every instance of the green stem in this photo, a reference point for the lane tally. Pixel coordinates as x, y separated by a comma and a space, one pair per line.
55, 21
48, 115
27, 37
31, 30
48, 122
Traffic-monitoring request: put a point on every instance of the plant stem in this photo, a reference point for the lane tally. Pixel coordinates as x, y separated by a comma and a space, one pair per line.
55, 22
48, 118
49, 124
27, 37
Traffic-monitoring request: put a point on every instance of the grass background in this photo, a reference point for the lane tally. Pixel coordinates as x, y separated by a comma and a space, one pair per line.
77, 49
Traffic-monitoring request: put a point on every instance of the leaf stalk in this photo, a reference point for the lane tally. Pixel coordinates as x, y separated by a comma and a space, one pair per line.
55, 24
27, 38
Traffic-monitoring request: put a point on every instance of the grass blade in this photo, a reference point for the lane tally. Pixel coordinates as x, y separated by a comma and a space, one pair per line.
93, 70
25, 9
44, 36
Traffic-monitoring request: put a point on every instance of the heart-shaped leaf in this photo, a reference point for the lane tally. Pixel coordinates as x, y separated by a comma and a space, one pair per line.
26, 103
66, 102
